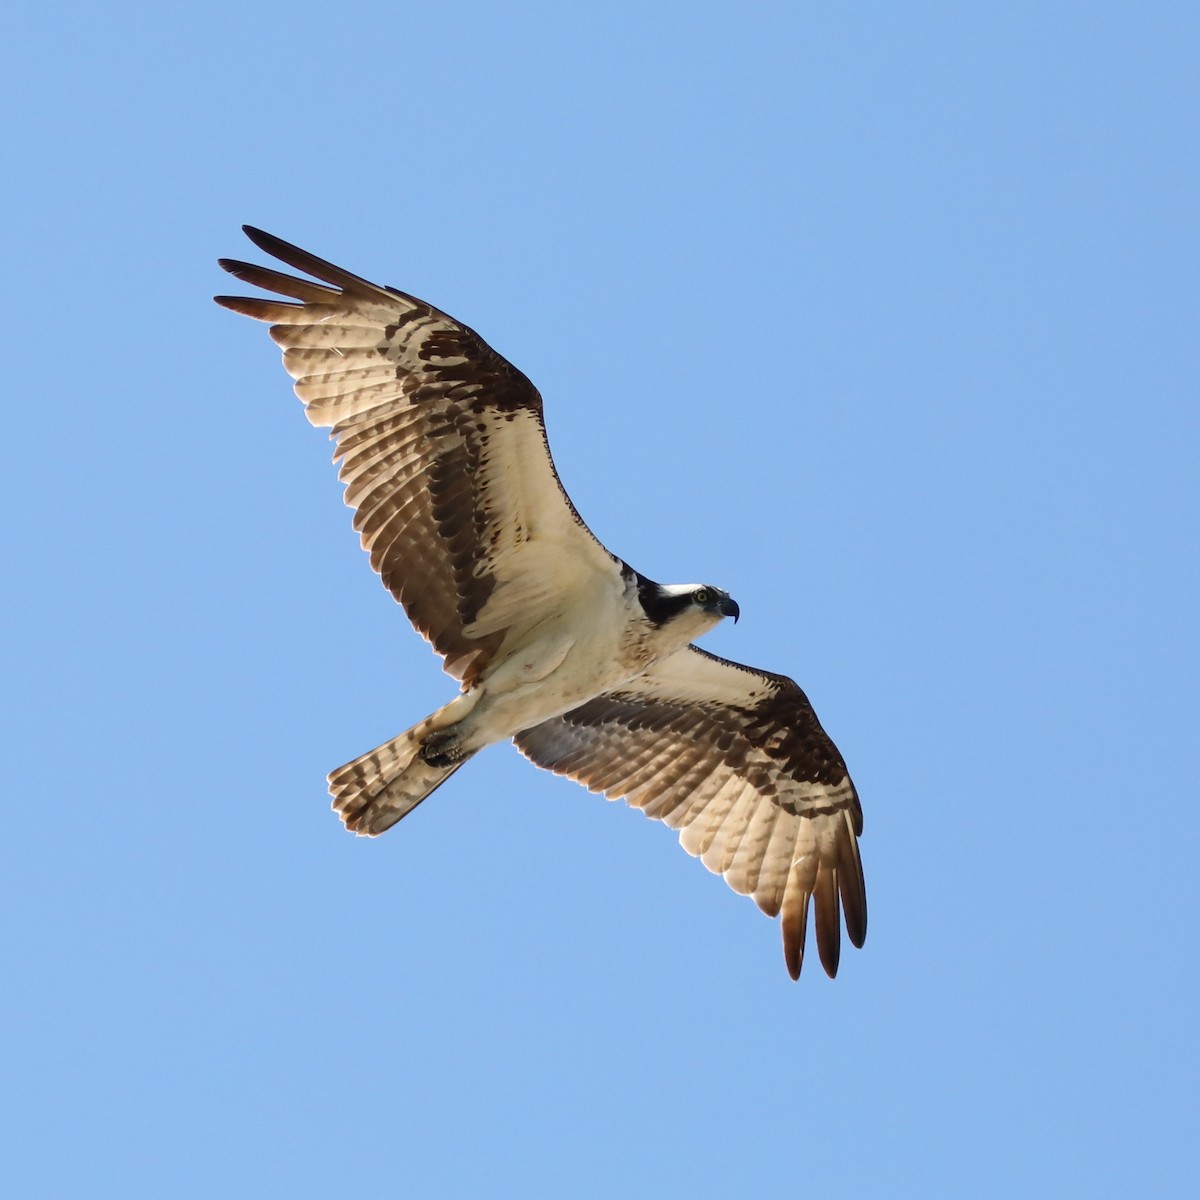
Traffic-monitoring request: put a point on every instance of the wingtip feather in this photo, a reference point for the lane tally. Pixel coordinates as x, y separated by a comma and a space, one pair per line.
310, 264
795, 928
827, 920
259, 310
853, 889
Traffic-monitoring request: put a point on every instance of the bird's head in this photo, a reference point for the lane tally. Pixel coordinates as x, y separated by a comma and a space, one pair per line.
713, 600
689, 608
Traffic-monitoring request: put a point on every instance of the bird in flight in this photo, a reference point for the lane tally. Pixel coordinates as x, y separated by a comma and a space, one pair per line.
586, 664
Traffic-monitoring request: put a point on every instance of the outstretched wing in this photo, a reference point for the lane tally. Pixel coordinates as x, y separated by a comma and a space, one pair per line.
443, 451
735, 759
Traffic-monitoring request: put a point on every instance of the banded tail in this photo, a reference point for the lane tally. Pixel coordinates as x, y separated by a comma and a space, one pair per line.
380, 787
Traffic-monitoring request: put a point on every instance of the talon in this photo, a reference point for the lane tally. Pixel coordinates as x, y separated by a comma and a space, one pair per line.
440, 749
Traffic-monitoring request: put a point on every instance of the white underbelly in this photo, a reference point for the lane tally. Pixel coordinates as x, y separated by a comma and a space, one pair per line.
550, 676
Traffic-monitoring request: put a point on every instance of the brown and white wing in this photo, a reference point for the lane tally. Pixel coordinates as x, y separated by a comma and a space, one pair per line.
443, 451
735, 759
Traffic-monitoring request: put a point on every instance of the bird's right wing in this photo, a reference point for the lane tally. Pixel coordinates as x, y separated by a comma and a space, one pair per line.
443, 450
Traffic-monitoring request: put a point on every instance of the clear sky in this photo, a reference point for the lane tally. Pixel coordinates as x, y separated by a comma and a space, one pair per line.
883, 316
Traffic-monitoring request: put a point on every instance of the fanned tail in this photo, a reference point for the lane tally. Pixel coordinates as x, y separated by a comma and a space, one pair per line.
380, 787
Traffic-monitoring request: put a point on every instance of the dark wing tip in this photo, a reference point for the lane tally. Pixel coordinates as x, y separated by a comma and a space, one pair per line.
838, 893
238, 268
793, 957
288, 252
302, 260
827, 920
854, 904
267, 241
278, 311
853, 890
795, 929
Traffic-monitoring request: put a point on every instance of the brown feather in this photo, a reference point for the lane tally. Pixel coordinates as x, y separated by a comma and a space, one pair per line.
852, 887
735, 759
794, 922
421, 407
274, 281
827, 921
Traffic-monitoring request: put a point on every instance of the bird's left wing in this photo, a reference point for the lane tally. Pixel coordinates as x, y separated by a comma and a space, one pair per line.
736, 760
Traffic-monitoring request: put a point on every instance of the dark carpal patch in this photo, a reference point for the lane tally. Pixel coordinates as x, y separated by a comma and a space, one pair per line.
785, 726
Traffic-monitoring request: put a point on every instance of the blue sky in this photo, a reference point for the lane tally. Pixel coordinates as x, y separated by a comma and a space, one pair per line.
881, 316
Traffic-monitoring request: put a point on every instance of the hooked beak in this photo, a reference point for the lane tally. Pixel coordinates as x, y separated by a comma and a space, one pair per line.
729, 608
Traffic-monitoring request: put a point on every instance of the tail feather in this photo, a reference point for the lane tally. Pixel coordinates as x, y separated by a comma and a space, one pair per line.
374, 791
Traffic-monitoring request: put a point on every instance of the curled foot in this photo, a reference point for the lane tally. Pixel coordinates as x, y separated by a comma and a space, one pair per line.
442, 748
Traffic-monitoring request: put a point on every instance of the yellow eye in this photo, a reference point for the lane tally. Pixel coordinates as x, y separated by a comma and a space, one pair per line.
702, 595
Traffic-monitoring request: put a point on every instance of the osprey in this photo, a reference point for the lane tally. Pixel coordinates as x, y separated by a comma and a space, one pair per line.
584, 663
